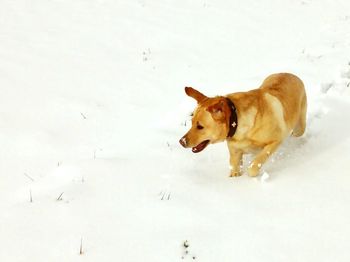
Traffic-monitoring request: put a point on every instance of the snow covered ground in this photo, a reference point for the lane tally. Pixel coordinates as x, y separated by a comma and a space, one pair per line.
92, 107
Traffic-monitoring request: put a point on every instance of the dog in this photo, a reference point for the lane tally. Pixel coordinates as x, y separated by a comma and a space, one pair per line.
256, 121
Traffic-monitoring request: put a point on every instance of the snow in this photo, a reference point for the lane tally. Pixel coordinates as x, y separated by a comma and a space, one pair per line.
92, 108
265, 176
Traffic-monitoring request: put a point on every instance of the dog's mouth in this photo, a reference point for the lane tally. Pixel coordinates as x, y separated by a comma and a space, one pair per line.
200, 146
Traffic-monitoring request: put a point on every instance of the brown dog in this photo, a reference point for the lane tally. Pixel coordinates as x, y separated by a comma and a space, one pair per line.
259, 119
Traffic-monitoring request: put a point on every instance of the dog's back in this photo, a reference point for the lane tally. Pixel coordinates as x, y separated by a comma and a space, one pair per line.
290, 91
270, 112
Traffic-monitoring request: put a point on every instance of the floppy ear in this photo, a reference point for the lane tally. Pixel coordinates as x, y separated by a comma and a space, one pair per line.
195, 94
217, 111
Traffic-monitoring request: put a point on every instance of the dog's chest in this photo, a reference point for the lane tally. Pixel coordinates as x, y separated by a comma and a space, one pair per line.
245, 145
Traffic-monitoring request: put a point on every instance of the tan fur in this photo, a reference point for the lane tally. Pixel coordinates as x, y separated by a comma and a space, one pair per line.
266, 116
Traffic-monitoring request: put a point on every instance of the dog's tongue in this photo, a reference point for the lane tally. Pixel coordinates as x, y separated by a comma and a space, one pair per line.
200, 147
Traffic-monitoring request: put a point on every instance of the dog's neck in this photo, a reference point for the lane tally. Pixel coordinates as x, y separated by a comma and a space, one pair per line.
233, 122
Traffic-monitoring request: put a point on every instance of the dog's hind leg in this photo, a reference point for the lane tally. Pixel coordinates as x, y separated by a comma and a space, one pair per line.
299, 129
260, 159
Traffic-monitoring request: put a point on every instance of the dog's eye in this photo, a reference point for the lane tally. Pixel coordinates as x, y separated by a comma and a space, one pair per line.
199, 126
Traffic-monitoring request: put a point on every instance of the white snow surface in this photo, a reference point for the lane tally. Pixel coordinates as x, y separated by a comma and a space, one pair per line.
92, 107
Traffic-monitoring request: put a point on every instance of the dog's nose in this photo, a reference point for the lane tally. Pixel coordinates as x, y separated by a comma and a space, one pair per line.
183, 141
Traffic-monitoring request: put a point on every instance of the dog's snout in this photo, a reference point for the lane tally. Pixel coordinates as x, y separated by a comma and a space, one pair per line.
183, 141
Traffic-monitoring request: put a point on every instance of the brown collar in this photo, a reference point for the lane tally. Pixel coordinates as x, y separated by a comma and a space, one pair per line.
233, 118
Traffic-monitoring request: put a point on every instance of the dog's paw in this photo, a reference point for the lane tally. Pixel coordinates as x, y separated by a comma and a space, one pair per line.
253, 170
235, 173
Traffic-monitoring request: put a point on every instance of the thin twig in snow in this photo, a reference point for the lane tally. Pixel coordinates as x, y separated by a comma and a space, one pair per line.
164, 195
81, 246
29, 176
60, 197
83, 115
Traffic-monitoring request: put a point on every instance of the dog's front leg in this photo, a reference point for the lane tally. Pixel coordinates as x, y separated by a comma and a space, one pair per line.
260, 159
235, 160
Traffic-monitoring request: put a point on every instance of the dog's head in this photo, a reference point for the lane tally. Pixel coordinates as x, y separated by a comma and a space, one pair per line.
209, 122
